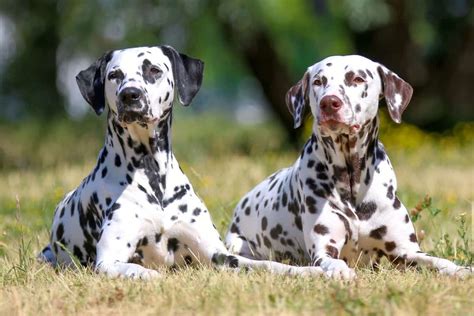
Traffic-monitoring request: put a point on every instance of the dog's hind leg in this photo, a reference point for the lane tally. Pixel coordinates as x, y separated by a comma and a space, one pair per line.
212, 251
47, 256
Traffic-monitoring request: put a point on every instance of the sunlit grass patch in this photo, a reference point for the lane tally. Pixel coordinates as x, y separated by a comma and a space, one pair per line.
32, 288
40, 163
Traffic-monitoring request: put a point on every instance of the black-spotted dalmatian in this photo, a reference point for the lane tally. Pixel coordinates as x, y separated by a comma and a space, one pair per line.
137, 210
337, 206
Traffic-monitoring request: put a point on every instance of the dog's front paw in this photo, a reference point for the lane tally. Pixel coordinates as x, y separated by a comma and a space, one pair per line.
450, 268
126, 270
337, 269
463, 272
310, 271
139, 272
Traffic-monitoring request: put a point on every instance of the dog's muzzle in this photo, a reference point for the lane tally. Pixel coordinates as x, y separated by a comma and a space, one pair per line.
131, 96
131, 105
331, 119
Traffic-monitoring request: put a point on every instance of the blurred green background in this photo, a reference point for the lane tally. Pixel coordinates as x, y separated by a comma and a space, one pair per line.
254, 50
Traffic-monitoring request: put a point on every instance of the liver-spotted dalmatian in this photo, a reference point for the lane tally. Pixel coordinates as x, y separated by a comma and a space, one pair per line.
337, 206
137, 210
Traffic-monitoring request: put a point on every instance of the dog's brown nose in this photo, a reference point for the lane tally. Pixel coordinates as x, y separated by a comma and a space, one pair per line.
130, 95
330, 104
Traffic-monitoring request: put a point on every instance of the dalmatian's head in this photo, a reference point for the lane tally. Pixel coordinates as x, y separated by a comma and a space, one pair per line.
343, 93
139, 84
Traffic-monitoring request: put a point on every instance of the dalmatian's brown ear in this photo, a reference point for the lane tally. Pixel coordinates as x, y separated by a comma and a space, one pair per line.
187, 73
91, 82
396, 91
297, 99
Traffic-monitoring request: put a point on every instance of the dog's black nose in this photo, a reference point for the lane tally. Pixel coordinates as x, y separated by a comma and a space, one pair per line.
130, 95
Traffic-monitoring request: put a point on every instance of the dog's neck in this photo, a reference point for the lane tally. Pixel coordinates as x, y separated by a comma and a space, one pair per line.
349, 156
137, 142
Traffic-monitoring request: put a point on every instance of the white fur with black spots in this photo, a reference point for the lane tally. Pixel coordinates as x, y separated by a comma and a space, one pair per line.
137, 210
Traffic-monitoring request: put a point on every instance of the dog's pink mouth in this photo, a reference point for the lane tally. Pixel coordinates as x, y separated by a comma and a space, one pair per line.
354, 128
339, 125
333, 124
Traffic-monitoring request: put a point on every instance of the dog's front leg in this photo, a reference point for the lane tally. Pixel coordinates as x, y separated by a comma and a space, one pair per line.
443, 266
121, 232
402, 248
326, 233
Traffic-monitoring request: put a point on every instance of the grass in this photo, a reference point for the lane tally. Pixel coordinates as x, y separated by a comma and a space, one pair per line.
40, 162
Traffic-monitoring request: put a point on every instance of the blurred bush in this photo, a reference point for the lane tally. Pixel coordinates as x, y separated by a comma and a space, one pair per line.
429, 43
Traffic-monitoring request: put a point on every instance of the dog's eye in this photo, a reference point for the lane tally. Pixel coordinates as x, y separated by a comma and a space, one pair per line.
317, 82
112, 75
358, 80
155, 71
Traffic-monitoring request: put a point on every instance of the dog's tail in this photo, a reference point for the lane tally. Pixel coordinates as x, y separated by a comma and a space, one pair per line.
47, 256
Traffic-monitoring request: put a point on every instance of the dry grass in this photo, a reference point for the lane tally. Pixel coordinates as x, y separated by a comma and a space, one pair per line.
208, 292
223, 161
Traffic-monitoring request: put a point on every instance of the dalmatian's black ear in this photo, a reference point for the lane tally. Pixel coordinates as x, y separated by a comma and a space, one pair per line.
187, 73
396, 91
297, 99
91, 83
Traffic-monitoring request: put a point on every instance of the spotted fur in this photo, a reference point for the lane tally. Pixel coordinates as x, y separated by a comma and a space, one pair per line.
137, 210
337, 206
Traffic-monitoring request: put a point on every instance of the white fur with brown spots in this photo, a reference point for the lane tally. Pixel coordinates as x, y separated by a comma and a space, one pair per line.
337, 206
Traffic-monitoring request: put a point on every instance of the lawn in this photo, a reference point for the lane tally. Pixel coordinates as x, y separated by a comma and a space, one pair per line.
40, 162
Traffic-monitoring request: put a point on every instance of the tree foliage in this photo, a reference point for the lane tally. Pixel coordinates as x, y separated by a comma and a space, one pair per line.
427, 42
